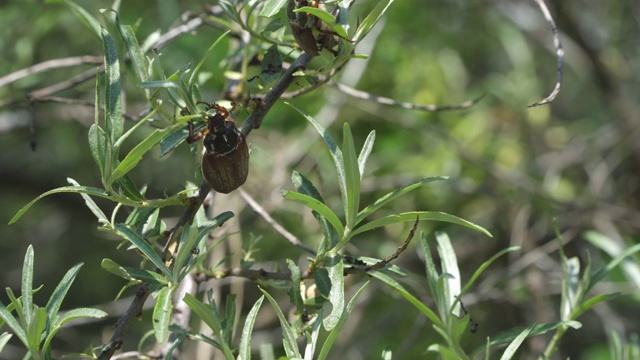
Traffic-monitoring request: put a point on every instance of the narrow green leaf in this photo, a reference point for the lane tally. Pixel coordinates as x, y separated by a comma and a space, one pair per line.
140, 123
126, 186
160, 84
570, 296
365, 152
352, 177
294, 293
333, 335
196, 70
271, 65
144, 247
312, 340
35, 328
272, 7
229, 318
132, 273
113, 106
229, 9
539, 329
394, 195
335, 266
371, 20
484, 266
431, 272
79, 314
588, 304
317, 206
210, 316
64, 189
162, 314
412, 299
11, 321
205, 227
204, 312
136, 54
289, 336
115, 268
449, 265
55, 301
27, 284
188, 242
422, 215
142, 219
326, 17
97, 143
95, 209
4, 338
510, 351
16, 305
68, 316
85, 18
304, 186
323, 282
244, 350
172, 140
135, 155
178, 341
336, 153
620, 258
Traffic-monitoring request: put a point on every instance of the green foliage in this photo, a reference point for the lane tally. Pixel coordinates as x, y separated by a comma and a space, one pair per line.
35, 327
320, 300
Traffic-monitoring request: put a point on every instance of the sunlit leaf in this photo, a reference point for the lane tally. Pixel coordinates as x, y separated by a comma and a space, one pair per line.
162, 314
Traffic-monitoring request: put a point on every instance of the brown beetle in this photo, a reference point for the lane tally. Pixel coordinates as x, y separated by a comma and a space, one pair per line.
225, 163
309, 31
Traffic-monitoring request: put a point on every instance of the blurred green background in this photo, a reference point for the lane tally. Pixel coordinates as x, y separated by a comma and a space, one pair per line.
512, 168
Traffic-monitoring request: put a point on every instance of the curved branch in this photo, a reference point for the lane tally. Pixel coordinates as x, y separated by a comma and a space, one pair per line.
402, 104
559, 53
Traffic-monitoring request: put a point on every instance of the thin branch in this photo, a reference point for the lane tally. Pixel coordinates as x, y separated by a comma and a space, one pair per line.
173, 236
399, 251
133, 312
49, 65
263, 275
559, 53
169, 36
80, 102
402, 104
276, 226
76, 80
135, 309
179, 30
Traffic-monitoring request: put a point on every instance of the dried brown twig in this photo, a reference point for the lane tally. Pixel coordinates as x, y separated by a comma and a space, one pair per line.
399, 251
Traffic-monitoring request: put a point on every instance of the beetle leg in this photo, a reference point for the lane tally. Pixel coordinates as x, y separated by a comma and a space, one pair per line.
193, 137
224, 112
